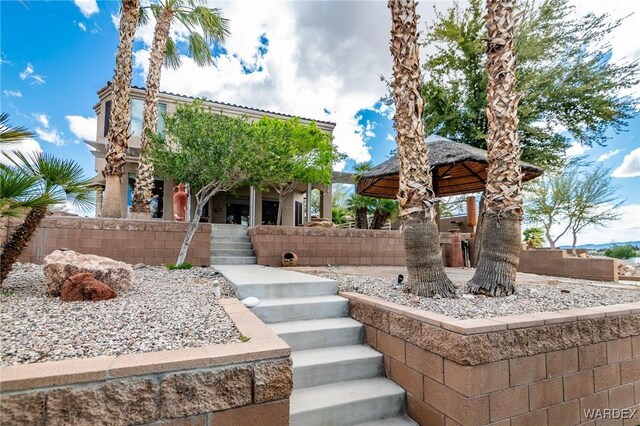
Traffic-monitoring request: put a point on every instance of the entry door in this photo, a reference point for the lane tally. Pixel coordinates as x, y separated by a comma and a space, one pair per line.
298, 213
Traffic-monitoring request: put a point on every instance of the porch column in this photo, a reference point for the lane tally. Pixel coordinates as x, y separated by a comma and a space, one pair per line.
307, 215
326, 201
252, 206
98, 202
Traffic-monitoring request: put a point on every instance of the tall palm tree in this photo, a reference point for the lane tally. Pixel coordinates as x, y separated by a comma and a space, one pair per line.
415, 196
496, 271
360, 206
118, 135
31, 184
196, 18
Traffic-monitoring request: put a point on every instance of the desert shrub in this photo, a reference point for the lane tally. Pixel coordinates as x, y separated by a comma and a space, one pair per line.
173, 266
534, 237
621, 252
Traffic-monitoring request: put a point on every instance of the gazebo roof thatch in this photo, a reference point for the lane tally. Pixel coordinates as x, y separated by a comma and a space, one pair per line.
457, 169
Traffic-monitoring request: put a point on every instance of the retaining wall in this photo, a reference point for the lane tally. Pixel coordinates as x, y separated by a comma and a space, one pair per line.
153, 242
559, 263
231, 384
538, 369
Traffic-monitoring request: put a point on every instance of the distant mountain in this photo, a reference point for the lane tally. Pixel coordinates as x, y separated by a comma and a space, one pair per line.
603, 246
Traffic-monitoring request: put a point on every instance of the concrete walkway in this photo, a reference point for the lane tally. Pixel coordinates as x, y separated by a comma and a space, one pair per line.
337, 379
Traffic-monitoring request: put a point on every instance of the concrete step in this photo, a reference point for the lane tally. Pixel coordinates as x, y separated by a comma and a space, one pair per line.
231, 245
301, 308
320, 333
347, 403
391, 421
314, 367
221, 239
231, 252
228, 226
228, 233
233, 260
292, 289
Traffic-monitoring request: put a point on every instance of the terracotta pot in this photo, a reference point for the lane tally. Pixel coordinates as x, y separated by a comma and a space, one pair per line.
289, 259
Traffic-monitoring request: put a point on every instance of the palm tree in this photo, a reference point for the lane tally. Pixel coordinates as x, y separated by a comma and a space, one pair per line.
118, 135
383, 211
195, 17
31, 185
426, 276
496, 271
360, 206
12, 134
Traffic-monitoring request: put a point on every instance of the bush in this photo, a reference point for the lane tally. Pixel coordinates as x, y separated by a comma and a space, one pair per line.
534, 237
185, 265
621, 252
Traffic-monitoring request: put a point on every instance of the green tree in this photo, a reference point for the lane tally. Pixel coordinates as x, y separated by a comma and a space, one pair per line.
534, 237
204, 26
564, 76
210, 152
621, 252
292, 153
360, 207
28, 186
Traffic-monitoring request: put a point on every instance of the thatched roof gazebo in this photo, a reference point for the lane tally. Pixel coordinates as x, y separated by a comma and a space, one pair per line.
457, 169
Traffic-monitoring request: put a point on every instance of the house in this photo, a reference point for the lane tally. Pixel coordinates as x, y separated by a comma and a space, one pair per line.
229, 207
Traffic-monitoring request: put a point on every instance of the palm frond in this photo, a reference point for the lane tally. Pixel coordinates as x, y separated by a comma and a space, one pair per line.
143, 17
199, 50
214, 27
172, 55
12, 134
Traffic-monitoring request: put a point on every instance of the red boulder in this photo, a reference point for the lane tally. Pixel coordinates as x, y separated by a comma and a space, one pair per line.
85, 286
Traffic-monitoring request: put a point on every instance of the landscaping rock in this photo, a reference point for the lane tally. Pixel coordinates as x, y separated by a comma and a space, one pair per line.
60, 265
319, 223
84, 286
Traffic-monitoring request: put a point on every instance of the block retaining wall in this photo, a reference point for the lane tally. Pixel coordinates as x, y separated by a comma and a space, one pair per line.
153, 242
559, 263
231, 384
538, 369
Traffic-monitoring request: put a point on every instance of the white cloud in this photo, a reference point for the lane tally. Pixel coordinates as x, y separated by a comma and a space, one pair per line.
87, 7
83, 128
576, 149
630, 166
29, 73
51, 135
42, 119
26, 146
82, 26
12, 93
609, 154
390, 137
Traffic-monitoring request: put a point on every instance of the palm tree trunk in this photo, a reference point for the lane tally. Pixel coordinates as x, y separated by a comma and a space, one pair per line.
496, 271
426, 276
379, 219
120, 111
144, 180
19, 240
362, 221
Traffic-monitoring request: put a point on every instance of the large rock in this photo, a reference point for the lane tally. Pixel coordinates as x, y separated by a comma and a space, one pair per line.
61, 264
84, 286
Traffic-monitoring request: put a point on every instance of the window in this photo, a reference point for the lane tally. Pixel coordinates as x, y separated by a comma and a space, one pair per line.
107, 117
137, 110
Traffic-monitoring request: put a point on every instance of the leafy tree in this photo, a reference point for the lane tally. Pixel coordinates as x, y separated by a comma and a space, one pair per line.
534, 237
495, 274
572, 199
292, 153
426, 275
27, 187
339, 214
204, 26
118, 135
621, 252
564, 76
211, 152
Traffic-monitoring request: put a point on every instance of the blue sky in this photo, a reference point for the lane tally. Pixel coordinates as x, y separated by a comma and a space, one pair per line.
57, 54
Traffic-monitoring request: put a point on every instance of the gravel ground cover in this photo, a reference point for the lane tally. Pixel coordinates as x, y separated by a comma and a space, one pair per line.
164, 310
556, 294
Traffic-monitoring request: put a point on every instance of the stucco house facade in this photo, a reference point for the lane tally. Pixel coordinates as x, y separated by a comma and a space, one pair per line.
244, 205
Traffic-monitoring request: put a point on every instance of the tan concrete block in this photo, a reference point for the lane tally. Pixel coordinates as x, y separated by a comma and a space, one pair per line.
509, 403
370, 336
157, 362
567, 413
596, 401
466, 411
200, 420
578, 385
606, 377
23, 409
535, 418
592, 356
546, 393
520, 321
426, 362
474, 326
476, 380
391, 346
273, 380
618, 350
423, 413
560, 363
527, 369
635, 343
630, 370
268, 414
408, 378
633, 420
621, 397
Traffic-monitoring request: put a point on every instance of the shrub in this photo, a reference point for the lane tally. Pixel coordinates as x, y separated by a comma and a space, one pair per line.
185, 265
621, 252
534, 237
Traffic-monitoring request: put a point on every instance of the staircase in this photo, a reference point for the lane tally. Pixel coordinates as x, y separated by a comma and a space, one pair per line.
337, 380
230, 245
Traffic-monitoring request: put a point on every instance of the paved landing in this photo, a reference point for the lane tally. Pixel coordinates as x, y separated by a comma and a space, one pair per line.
258, 274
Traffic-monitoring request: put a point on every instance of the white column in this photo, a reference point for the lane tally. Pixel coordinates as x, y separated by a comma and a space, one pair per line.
252, 206
308, 206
